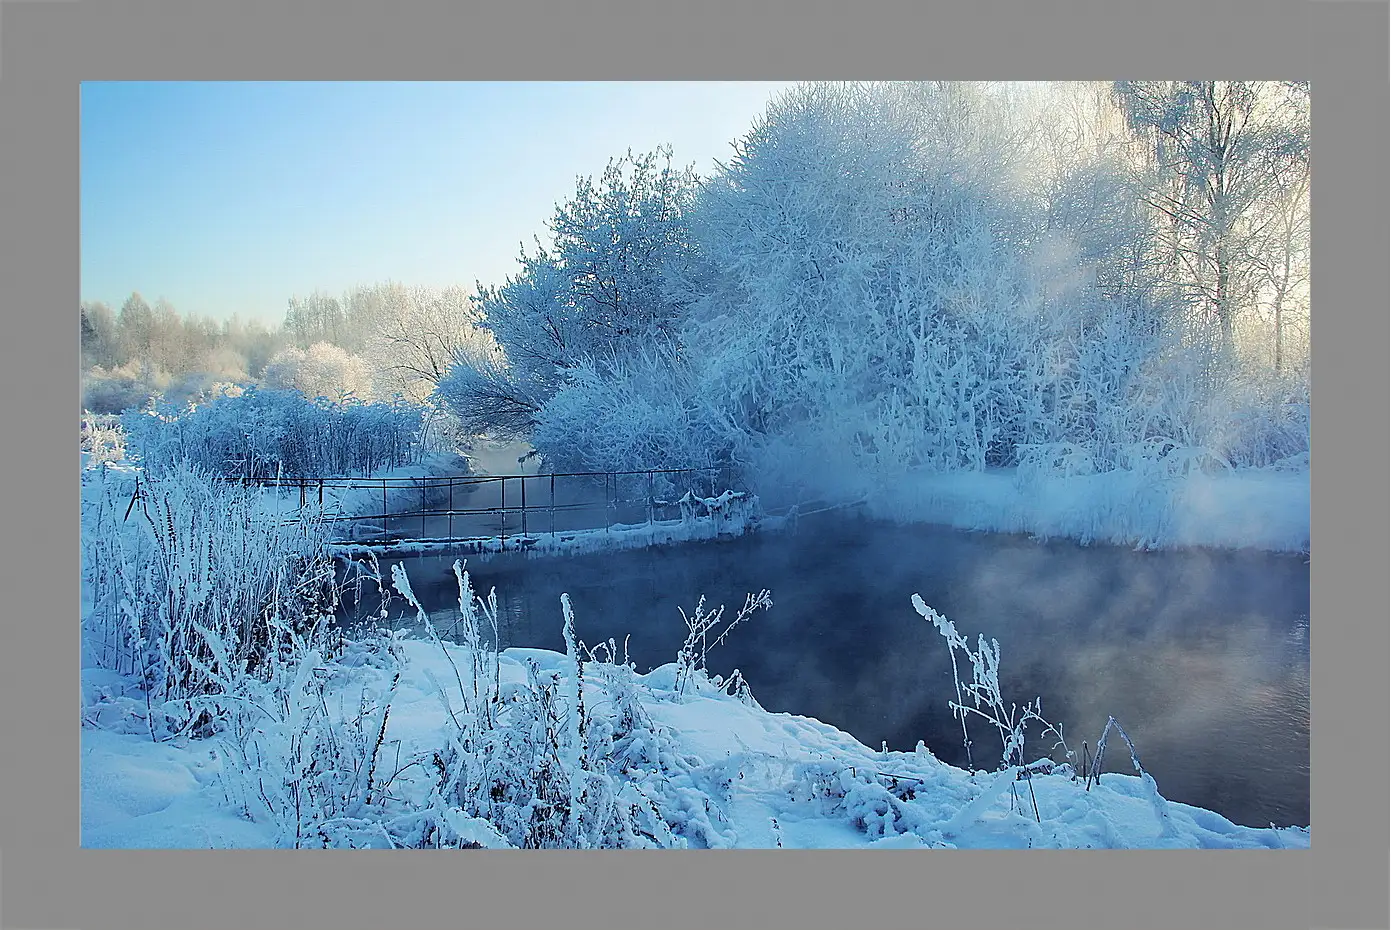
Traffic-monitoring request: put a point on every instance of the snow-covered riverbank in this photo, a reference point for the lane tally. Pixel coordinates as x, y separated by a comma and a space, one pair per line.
1265, 509
724, 772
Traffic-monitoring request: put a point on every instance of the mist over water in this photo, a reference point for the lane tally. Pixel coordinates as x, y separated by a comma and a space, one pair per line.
1203, 656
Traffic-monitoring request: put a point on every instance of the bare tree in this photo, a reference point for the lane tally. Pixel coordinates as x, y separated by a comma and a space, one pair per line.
420, 333
1220, 152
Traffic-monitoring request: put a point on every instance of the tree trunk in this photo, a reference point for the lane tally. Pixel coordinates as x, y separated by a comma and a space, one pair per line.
1224, 306
1279, 336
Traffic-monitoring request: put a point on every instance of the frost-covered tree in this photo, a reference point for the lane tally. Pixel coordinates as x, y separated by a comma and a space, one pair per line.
171, 345
884, 277
892, 283
323, 371
135, 324
255, 342
596, 291
316, 318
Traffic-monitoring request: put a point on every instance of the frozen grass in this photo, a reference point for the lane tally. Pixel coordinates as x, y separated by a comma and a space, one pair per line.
190, 590
103, 440
399, 742
661, 768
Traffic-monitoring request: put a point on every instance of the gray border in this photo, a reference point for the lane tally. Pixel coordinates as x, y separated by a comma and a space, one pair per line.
47, 48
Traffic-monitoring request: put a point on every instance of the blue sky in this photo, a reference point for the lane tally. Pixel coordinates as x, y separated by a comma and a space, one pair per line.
233, 197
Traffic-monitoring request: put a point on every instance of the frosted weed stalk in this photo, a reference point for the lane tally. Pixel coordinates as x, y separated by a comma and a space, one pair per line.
565, 757
984, 691
523, 765
309, 768
701, 638
1012, 722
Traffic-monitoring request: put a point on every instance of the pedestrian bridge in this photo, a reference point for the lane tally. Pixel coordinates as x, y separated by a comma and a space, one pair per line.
511, 509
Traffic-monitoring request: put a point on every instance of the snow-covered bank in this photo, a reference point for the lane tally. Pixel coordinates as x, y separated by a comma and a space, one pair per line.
1251, 508
730, 514
716, 770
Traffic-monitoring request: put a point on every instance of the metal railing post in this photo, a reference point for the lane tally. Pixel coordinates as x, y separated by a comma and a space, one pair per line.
552, 503
523, 480
503, 529
651, 505
451, 506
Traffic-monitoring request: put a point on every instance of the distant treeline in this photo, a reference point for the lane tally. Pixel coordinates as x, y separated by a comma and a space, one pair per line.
377, 342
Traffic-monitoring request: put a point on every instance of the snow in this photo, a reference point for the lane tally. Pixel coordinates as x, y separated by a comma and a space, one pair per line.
1248, 508
137, 794
767, 779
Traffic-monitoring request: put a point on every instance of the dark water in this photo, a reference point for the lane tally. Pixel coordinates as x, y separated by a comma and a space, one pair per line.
1203, 656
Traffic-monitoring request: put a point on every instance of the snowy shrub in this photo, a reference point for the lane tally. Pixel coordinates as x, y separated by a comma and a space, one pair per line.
1254, 423
291, 761
116, 390
265, 434
1037, 463
195, 388
193, 588
526, 766
103, 440
628, 416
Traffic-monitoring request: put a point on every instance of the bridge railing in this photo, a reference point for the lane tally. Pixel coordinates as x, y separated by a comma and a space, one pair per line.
457, 507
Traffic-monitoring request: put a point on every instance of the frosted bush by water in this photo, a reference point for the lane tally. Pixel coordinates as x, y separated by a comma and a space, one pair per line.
263, 434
